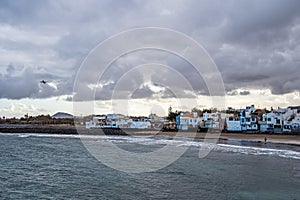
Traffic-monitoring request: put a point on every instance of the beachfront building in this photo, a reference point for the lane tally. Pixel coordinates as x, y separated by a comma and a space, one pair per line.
109, 121
123, 122
140, 124
156, 121
291, 119
287, 116
245, 121
214, 120
232, 124
295, 123
96, 122
187, 120
272, 122
116, 121
248, 119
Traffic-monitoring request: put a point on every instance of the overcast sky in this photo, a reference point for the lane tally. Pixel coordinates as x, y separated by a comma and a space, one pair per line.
255, 45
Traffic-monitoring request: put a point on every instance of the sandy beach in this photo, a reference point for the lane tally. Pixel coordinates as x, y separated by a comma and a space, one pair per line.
273, 138
66, 129
284, 139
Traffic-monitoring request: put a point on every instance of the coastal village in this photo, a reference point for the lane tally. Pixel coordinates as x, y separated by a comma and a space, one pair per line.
247, 120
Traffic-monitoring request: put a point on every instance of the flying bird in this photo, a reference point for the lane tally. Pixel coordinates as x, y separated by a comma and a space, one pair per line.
43, 81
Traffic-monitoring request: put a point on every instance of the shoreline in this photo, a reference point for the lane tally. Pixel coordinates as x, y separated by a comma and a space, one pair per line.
71, 130
255, 138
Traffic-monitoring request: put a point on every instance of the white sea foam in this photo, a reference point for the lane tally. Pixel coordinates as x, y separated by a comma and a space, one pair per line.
218, 147
144, 140
259, 151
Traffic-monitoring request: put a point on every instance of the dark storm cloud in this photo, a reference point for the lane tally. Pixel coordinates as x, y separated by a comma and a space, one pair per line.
261, 21
143, 92
255, 44
244, 93
26, 84
17, 87
69, 98
260, 47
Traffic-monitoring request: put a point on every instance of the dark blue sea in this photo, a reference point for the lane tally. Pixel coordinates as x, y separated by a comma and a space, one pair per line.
40, 166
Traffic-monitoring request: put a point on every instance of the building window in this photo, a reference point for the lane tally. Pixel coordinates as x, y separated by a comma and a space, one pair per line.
269, 119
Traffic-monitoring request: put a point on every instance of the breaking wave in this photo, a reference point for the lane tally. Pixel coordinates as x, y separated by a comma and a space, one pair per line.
178, 141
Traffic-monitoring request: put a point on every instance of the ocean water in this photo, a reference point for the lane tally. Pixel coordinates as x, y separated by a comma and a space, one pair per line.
41, 166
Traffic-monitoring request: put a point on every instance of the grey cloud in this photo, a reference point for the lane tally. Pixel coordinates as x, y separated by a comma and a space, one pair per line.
244, 77
10, 69
255, 44
232, 93
168, 94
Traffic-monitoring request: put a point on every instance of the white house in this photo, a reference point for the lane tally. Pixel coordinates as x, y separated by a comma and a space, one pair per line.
233, 124
272, 122
188, 120
96, 122
213, 120
140, 124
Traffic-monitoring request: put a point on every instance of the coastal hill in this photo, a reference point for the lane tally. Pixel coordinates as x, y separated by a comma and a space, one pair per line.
62, 115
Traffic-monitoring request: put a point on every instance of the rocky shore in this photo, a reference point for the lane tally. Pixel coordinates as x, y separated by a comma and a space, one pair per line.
55, 129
